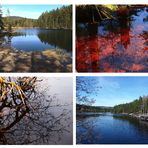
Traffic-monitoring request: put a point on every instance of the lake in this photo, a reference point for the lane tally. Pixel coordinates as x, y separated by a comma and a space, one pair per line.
35, 39
114, 45
36, 50
107, 128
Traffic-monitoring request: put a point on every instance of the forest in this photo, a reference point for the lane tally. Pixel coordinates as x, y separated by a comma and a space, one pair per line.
87, 108
1, 21
60, 18
15, 21
137, 106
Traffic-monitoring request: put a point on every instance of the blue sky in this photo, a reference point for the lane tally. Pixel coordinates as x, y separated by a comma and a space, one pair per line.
28, 11
117, 90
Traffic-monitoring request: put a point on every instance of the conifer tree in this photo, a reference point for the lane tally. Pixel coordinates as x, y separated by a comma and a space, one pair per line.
1, 21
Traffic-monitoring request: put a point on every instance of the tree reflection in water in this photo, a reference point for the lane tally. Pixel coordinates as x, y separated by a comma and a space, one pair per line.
142, 126
85, 129
27, 116
58, 38
114, 45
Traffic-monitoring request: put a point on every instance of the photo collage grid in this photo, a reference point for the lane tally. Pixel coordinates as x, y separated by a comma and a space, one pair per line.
73, 74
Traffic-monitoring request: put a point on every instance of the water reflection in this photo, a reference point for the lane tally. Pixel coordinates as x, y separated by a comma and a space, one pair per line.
85, 130
132, 120
47, 121
141, 126
114, 45
40, 39
57, 38
36, 50
111, 129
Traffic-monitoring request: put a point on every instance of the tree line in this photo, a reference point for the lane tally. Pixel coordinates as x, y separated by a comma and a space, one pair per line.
19, 22
1, 21
137, 106
60, 18
87, 108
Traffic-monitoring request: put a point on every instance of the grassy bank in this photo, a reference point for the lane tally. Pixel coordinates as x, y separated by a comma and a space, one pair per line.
39, 61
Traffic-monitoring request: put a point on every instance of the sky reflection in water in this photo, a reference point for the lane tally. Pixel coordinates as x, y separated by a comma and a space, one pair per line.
35, 39
114, 45
111, 129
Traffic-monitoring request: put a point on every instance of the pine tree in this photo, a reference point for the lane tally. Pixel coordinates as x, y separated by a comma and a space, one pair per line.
9, 21
56, 19
1, 21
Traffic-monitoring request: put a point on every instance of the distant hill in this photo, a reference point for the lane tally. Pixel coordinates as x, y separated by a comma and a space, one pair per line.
60, 18
18, 18
14, 17
17, 21
86, 108
137, 106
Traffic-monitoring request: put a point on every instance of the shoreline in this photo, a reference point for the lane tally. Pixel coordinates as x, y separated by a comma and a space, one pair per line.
16, 28
13, 60
141, 117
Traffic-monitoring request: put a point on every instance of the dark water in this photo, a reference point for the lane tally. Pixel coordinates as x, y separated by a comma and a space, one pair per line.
34, 39
111, 129
114, 45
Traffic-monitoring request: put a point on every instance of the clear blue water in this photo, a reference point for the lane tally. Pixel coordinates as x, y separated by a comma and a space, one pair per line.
111, 129
35, 39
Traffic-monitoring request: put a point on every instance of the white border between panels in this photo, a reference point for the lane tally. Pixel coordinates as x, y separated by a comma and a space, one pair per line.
72, 2
36, 74
74, 73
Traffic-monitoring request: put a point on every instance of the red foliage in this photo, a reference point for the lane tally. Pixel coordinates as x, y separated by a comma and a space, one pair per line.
123, 49
120, 53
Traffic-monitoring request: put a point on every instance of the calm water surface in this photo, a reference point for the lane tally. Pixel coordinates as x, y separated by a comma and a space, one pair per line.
35, 39
114, 45
51, 122
36, 50
111, 129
